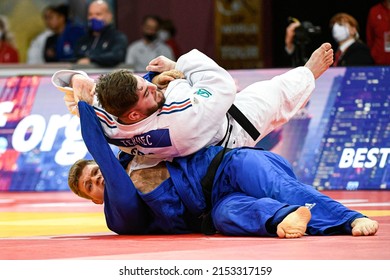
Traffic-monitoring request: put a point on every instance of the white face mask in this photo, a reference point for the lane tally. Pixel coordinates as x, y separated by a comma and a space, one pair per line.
163, 35
340, 32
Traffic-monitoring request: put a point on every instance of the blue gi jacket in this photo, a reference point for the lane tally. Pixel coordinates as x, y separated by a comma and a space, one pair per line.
252, 192
177, 203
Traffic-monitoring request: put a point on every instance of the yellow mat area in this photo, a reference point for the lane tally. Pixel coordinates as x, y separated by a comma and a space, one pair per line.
27, 224
375, 213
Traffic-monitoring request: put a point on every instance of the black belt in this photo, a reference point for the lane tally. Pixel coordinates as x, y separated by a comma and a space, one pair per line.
207, 185
208, 180
244, 122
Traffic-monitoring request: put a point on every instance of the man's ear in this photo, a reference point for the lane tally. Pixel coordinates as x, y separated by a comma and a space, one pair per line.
97, 201
134, 116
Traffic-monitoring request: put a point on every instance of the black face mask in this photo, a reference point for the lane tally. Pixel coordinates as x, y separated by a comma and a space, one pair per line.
150, 37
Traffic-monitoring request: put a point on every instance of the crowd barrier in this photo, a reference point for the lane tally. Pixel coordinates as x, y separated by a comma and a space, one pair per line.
339, 141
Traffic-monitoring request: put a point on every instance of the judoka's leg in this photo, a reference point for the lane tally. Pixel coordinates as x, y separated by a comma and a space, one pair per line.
269, 104
263, 174
239, 214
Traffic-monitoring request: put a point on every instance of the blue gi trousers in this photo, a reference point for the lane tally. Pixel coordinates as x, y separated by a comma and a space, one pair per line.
253, 192
256, 189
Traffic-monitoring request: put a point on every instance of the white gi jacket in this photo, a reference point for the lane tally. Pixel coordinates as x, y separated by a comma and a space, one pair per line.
194, 114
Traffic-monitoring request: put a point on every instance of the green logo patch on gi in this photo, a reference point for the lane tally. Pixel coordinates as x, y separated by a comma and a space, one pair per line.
204, 93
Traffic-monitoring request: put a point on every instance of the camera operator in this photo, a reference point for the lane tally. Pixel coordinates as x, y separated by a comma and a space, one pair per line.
298, 40
351, 50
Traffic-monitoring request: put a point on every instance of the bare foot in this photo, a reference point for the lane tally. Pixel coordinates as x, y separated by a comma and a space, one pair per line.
364, 226
294, 224
320, 60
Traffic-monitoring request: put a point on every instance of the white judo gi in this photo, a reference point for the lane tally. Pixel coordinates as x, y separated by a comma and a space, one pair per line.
194, 113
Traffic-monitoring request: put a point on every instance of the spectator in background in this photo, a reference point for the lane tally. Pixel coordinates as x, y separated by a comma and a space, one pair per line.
59, 47
378, 32
8, 51
142, 51
167, 35
351, 50
103, 45
299, 40
35, 52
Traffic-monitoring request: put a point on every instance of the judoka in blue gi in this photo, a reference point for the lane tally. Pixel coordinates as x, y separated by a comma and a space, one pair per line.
254, 193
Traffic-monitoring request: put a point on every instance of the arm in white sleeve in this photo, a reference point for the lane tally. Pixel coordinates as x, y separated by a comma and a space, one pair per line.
211, 90
62, 81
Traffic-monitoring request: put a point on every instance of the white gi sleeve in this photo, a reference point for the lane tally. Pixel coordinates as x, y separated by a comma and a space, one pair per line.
212, 91
61, 80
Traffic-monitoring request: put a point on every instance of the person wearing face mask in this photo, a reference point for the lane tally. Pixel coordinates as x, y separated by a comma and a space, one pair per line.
142, 51
167, 35
103, 46
351, 50
8, 51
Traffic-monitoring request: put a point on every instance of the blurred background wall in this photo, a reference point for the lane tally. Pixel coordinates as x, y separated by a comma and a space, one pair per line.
200, 23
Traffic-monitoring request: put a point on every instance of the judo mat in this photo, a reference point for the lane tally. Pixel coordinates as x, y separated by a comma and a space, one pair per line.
61, 226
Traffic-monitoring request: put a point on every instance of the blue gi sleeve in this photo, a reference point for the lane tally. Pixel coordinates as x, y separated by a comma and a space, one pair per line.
150, 75
125, 211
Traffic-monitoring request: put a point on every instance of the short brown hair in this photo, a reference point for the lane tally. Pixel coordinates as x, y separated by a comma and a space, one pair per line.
117, 92
74, 175
344, 18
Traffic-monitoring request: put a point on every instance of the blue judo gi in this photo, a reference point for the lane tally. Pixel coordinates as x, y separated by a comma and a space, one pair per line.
253, 192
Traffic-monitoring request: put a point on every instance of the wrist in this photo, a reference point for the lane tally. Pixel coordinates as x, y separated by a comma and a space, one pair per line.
71, 79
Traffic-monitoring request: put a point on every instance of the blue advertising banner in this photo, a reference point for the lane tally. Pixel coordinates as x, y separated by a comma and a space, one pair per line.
39, 139
340, 140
